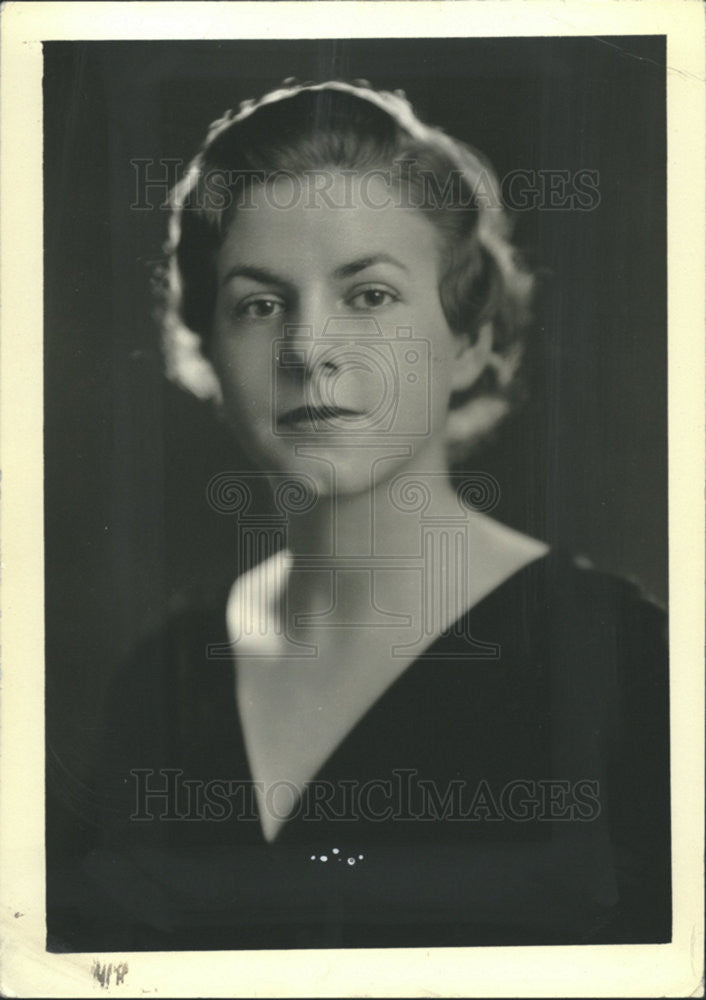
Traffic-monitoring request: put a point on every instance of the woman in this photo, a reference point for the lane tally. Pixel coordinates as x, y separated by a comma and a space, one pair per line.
437, 731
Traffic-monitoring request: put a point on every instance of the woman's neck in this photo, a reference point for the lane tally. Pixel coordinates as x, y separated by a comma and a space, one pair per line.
407, 539
384, 522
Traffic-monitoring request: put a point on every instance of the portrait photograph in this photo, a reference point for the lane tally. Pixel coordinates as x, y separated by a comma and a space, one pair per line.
360, 624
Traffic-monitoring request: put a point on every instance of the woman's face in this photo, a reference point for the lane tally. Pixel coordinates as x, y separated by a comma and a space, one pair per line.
330, 343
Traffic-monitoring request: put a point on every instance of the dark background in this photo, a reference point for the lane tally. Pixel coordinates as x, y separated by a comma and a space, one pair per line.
129, 536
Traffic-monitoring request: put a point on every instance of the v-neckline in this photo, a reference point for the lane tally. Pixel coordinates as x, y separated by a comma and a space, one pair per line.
461, 626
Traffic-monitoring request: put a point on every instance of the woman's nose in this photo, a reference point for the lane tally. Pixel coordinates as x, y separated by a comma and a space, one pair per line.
307, 347
303, 356
312, 314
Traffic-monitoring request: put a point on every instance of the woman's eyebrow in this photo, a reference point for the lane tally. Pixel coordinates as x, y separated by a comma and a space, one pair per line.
260, 274
354, 266
266, 277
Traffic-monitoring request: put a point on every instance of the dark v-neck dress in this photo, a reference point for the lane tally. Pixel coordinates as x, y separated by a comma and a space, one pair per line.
510, 787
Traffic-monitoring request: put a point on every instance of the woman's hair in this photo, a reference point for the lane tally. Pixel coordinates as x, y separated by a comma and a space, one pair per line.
301, 130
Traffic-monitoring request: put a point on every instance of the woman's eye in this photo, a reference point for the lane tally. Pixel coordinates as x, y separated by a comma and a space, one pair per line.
260, 308
373, 298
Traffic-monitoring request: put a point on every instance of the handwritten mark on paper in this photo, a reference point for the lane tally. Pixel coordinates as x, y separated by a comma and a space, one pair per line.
103, 973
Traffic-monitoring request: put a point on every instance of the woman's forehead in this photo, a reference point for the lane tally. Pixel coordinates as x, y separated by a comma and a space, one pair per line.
333, 217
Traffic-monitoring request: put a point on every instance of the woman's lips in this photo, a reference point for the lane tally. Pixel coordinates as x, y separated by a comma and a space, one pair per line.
311, 416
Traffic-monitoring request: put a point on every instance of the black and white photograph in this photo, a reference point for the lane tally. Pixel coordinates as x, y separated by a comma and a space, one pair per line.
357, 491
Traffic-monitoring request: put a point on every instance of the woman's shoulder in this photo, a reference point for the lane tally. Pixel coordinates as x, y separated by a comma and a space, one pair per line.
617, 605
553, 578
575, 624
602, 643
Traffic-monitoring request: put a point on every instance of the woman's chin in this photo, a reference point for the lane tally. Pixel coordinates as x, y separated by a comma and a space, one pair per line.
332, 470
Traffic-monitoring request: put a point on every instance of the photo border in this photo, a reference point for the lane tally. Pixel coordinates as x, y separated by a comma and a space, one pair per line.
26, 968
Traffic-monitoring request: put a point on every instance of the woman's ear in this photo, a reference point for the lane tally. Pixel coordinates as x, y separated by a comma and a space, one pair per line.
472, 359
